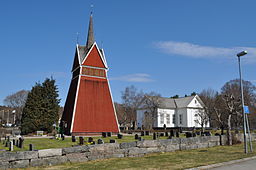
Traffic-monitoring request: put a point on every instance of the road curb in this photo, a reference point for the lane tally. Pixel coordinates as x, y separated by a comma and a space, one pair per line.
222, 164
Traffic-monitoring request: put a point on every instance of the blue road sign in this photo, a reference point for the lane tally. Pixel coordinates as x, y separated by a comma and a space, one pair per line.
246, 109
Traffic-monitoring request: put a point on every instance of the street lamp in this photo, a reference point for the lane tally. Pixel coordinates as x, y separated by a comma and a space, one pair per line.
245, 121
242, 53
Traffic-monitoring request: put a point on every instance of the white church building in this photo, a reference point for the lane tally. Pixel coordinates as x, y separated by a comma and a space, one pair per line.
171, 112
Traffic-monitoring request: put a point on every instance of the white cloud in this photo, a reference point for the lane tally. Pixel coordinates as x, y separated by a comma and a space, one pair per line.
198, 51
138, 77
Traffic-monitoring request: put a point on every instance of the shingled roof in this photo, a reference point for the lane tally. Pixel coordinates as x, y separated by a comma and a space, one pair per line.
183, 101
171, 103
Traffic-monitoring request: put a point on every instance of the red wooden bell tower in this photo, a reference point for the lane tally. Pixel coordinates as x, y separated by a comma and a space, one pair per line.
89, 107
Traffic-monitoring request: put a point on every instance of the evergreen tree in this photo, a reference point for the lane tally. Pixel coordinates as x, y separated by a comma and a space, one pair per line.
41, 108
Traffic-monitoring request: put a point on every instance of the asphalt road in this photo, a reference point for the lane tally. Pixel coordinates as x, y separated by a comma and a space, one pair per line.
245, 165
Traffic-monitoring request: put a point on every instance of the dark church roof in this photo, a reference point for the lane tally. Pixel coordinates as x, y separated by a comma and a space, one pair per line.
84, 49
172, 103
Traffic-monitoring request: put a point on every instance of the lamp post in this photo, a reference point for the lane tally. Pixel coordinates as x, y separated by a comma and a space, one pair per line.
14, 116
242, 102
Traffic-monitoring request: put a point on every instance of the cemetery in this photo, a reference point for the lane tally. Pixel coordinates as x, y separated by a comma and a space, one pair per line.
90, 126
28, 152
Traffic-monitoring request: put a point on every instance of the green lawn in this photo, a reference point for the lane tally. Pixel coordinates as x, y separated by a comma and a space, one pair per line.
45, 143
171, 160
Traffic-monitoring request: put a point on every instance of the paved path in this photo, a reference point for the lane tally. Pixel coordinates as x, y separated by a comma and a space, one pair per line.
240, 164
245, 165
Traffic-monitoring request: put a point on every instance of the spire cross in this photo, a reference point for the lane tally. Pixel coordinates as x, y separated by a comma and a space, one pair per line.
90, 37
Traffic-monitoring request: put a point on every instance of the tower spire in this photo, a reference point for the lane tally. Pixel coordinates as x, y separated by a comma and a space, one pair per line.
90, 37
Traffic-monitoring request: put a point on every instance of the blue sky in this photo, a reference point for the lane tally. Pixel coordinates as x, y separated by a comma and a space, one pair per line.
167, 46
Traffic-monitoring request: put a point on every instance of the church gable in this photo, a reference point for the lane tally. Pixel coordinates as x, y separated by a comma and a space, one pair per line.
196, 102
94, 58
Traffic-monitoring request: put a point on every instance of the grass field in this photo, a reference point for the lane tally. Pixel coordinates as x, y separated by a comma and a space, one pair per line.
171, 160
46, 143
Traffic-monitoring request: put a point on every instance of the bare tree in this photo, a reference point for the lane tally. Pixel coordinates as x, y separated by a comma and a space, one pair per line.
17, 101
151, 103
231, 105
202, 118
131, 98
219, 111
232, 87
208, 96
121, 116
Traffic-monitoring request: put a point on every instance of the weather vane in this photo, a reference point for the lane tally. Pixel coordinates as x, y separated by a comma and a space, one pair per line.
77, 37
92, 8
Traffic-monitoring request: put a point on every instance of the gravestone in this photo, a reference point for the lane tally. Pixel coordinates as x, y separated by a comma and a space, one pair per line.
90, 140
10, 146
21, 140
100, 141
104, 134
207, 133
164, 126
147, 133
119, 136
7, 141
166, 134
142, 133
136, 136
112, 141
161, 134
17, 143
154, 136
177, 134
109, 134
73, 139
31, 147
188, 134
81, 140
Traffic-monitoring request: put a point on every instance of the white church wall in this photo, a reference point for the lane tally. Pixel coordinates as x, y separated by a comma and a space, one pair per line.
165, 116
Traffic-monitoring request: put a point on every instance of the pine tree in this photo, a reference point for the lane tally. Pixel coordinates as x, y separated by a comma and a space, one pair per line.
41, 108
51, 103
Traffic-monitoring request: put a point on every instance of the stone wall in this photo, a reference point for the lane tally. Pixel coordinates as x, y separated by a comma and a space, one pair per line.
84, 153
